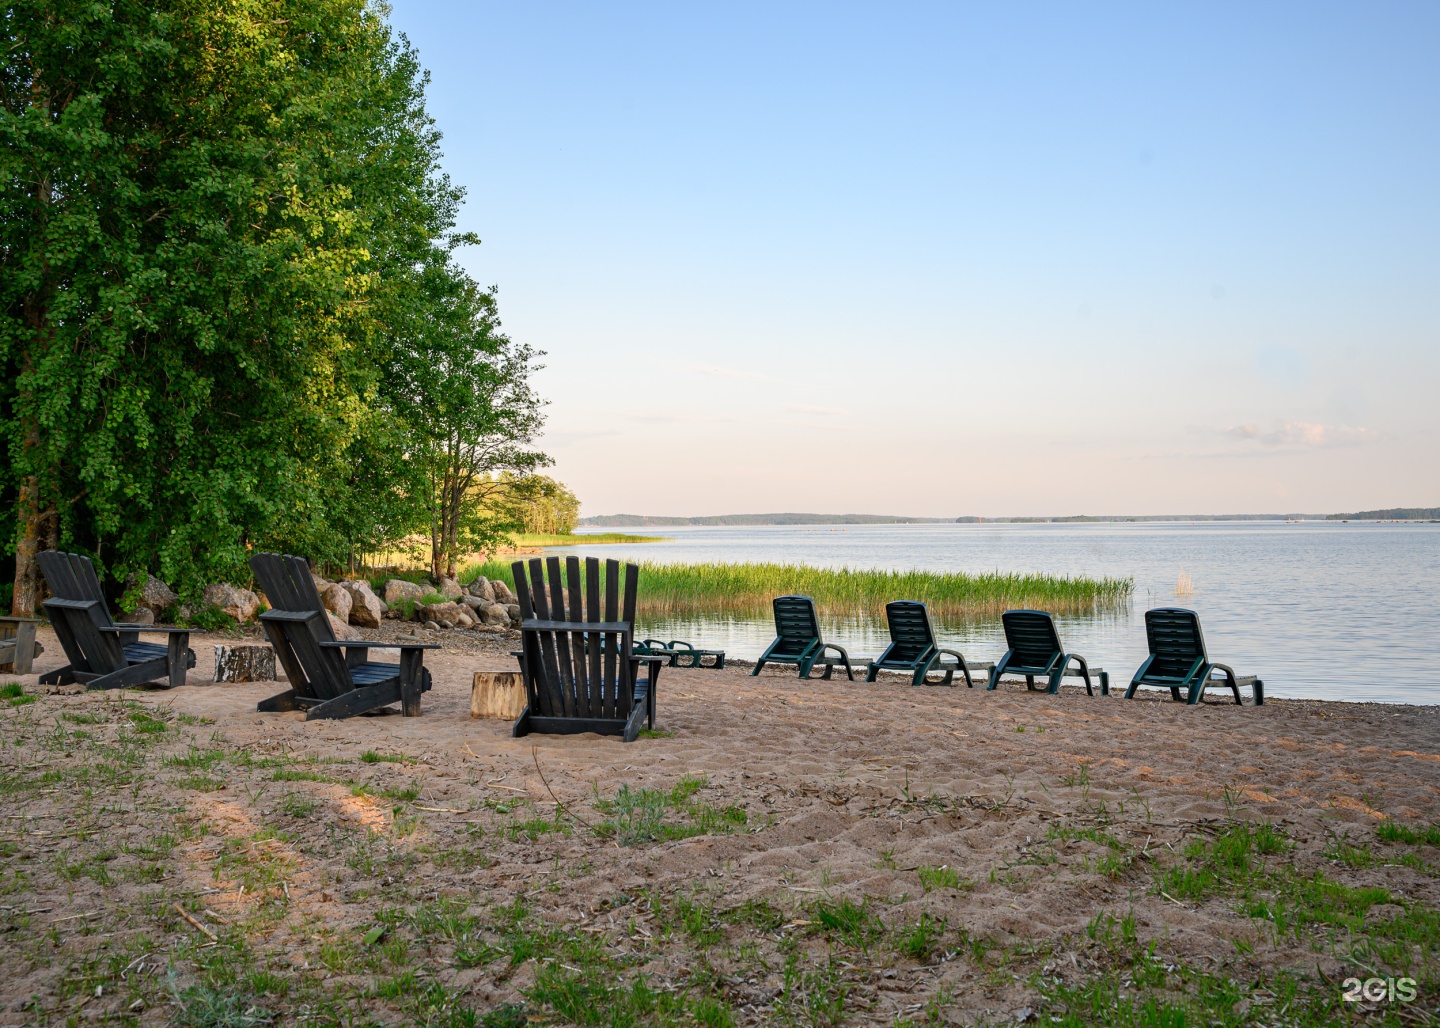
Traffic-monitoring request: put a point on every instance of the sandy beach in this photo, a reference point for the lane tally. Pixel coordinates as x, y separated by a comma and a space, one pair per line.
905, 855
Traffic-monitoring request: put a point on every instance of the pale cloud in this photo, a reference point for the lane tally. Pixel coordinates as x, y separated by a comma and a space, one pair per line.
805, 408
1304, 434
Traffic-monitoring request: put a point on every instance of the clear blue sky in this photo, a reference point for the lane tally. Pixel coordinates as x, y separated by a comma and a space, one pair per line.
944, 259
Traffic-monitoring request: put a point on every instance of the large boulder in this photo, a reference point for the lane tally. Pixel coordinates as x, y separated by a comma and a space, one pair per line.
449, 588
503, 593
476, 603
240, 604
337, 601
513, 609
321, 583
495, 615
341, 629
139, 616
156, 596
481, 589
447, 611
366, 609
464, 620
398, 589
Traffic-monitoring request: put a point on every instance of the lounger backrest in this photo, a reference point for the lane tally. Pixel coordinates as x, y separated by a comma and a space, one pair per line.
296, 624
910, 632
796, 626
1031, 635
71, 576
577, 649
1175, 640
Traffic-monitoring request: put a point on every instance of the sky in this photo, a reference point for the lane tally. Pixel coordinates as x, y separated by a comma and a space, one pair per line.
960, 259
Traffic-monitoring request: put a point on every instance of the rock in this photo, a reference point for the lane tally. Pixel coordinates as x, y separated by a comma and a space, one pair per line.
240, 604
449, 588
476, 603
156, 596
337, 601
321, 584
481, 589
432, 626
464, 620
341, 629
141, 616
398, 589
513, 609
366, 609
503, 593
443, 623
447, 611
495, 615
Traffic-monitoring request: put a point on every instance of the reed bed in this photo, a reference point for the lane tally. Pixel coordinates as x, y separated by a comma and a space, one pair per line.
584, 539
681, 589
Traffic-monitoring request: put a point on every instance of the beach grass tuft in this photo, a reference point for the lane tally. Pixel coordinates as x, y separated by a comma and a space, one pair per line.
680, 589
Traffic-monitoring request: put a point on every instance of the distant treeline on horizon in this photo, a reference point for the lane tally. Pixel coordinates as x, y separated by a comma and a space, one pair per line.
742, 520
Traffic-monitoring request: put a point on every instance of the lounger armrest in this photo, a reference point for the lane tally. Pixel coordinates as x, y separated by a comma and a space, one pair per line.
365, 644
838, 649
979, 665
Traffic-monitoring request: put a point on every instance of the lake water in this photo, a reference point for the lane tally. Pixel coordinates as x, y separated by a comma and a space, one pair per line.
1318, 609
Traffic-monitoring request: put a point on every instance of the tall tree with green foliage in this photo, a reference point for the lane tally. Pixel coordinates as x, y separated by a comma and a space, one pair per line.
220, 226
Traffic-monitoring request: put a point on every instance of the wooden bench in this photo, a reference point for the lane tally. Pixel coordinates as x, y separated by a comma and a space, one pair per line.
18, 647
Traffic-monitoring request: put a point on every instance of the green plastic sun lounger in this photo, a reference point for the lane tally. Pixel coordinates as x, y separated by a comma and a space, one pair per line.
798, 641
680, 654
1035, 652
1178, 660
913, 649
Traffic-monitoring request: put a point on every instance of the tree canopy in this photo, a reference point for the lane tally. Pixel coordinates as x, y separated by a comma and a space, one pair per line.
230, 313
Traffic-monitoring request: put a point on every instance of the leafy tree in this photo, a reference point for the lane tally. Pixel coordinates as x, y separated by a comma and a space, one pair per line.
541, 505
221, 226
472, 416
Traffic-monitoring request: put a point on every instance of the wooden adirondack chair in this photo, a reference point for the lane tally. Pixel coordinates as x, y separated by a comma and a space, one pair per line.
798, 642
104, 655
1178, 660
577, 659
1035, 652
329, 678
18, 647
912, 647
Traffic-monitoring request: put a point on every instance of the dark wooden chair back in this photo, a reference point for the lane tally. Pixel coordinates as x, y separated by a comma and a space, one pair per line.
1031, 637
577, 636
796, 626
1176, 644
77, 608
297, 623
911, 637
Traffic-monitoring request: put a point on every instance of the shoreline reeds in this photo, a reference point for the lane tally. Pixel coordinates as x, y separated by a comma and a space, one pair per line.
722, 588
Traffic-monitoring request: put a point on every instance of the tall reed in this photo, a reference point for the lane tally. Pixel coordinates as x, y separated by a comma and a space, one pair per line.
678, 589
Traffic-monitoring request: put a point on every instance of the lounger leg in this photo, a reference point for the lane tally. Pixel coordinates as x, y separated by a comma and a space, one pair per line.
1030, 683
995, 673
1104, 683
871, 672
753, 671
1258, 691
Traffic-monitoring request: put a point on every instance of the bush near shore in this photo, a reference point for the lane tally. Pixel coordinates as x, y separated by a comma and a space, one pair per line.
749, 588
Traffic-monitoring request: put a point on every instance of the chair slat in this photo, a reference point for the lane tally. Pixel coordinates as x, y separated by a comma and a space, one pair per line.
574, 594
592, 615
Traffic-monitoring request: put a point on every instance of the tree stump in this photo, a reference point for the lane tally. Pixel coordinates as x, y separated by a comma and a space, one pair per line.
497, 694
244, 664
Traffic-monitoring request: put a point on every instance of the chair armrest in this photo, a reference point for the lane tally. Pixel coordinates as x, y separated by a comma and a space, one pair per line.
364, 644
21, 621
153, 628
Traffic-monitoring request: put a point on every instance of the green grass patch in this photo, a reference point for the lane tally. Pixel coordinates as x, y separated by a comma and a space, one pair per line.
943, 877
1416, 835
371, 757
678, 589
635, 816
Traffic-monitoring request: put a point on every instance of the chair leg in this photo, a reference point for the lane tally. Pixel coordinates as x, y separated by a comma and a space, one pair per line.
280, 701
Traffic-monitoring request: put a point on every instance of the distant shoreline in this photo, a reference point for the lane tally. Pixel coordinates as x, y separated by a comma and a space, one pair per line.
751, 520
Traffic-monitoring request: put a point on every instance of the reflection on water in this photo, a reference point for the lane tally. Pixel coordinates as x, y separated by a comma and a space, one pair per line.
1325, 609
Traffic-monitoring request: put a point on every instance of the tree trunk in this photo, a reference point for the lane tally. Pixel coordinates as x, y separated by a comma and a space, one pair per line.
27, 570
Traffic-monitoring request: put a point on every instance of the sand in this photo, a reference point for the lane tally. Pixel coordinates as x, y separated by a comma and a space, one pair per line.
848, 789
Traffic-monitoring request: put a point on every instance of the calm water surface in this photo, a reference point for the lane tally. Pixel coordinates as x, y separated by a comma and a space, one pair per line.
1318, 609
